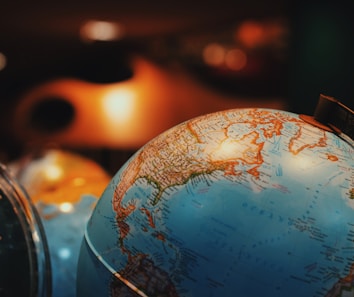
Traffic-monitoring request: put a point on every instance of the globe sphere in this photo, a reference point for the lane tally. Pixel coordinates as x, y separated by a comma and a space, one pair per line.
244, 202
64, 188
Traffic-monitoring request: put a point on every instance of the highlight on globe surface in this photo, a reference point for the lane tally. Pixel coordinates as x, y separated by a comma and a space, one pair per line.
242, 202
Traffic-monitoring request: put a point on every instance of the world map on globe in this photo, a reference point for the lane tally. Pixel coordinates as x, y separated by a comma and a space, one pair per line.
245, 202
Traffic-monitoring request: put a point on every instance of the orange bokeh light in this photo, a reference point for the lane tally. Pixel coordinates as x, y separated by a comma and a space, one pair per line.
3, 61
251, 33
235, 59
214, 54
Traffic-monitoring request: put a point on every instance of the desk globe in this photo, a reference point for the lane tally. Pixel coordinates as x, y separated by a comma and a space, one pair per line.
244, 202
64, 187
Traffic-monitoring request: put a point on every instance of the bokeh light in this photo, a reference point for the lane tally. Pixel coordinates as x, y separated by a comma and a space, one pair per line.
66, 207
255, 34
101, 31
214, 54
118, 105
53, 172
3, 61
235, 59
251, 33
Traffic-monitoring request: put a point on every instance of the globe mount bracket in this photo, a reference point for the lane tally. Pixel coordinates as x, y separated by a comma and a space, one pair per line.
333, 116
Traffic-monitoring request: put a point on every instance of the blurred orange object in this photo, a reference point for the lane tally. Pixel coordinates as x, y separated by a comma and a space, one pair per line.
124, 115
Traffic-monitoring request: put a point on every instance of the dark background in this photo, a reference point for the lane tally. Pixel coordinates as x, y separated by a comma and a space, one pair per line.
41, 44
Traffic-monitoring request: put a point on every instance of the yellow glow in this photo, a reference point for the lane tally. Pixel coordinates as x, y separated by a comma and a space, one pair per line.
66, 207
53, 172
235, 59
79, 181
118, 106
101, 30
2, 61
214, 54
227, 149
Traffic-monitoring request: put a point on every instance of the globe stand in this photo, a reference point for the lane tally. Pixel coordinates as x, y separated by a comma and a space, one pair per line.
333, 116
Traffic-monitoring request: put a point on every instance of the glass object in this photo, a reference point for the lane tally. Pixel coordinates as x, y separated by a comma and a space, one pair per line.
24, 262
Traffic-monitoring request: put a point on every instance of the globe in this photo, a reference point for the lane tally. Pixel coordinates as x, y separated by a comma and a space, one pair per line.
64, 187
24, 259
244, 202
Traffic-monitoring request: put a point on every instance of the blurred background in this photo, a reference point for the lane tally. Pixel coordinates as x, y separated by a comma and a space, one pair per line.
103, 78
